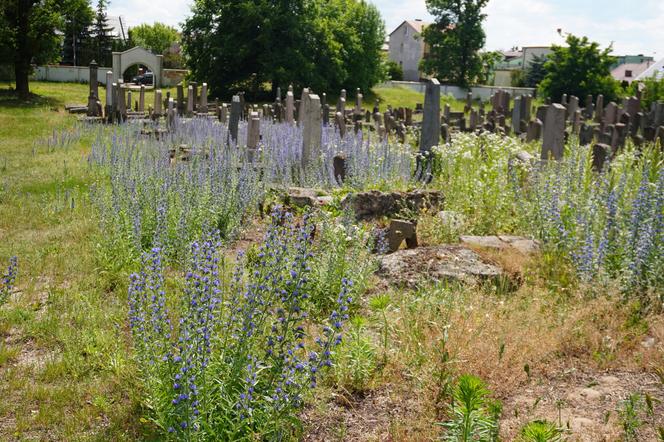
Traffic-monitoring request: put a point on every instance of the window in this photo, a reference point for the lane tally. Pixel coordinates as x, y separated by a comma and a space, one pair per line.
628, 74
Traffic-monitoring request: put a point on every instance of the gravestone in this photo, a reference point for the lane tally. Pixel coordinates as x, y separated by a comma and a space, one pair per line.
93, 98
157, 103
312, 129
129, 100
601, 154
586, 134
589, 110
109, 97
409, 116
540, 114
534, 130
170, 115
253, 131
469, 102
122, 103
516, 115
180, 99
141, 99
302, 108
599, 109
358, 103
203, 109
339, 168
326, 114
611, 113
572, 107
399, 231
194, 89
290, 105
190, 101
431, 118
340, 124
553, 143
446, 113
576, 122
234, 121
223, 114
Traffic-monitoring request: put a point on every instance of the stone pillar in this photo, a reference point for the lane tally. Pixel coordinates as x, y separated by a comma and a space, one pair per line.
180, 97
302, 111
253, 130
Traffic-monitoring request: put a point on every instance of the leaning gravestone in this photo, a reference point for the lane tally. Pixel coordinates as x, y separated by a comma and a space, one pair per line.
553, 143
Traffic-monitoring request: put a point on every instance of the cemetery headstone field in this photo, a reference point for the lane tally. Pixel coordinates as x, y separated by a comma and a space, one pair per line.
333, 265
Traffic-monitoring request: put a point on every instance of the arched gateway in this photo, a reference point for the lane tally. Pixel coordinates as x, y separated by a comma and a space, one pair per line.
137, 55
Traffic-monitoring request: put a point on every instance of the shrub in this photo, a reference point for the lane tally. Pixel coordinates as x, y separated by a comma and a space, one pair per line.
232, 359
540, 431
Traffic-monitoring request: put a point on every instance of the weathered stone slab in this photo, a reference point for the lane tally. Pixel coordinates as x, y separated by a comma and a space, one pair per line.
375, 204
411, 267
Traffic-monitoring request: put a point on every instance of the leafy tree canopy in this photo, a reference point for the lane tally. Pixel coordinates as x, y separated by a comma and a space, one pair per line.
157, 37
28, 35
246, 44
454, 41
580, 68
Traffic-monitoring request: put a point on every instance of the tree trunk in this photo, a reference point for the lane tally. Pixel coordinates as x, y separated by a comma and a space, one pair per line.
23, 54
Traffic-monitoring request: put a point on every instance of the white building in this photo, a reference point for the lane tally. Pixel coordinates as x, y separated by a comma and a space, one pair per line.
407, 48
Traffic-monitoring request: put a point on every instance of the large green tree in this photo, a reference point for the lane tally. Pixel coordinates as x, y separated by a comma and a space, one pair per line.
580, 68
454, 40
28, 35
157, 37
245, 44
102, 38
535, 71
78, 19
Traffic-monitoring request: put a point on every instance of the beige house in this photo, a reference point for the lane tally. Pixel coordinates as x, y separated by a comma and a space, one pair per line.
407, 48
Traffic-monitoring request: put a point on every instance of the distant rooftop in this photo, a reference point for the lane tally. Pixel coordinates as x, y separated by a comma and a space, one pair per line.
417, 24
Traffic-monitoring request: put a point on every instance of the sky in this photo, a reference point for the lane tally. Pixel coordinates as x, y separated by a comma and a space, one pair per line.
633, 26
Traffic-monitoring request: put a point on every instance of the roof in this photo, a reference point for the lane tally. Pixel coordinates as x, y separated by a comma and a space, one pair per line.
637, 68
417, 25
656, 70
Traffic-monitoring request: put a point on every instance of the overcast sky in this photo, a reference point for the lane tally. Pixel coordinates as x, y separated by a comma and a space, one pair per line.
634, 26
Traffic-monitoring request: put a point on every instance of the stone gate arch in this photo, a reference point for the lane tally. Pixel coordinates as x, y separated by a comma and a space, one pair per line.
137, 55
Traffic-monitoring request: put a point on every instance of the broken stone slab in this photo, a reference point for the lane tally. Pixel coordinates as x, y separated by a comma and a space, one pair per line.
400, 231
452, 220
410, 267
304, 197
523, 245
376, 204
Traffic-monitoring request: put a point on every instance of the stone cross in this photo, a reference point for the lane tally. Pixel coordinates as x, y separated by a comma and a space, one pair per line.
553, 143
311, 130
236, 111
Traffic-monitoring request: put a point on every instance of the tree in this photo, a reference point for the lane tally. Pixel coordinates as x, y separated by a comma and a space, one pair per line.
102, 39
28, 35
454, 40
78, 19
652, 90
157, 38
489, 61
581, 68
536, 71
245, 44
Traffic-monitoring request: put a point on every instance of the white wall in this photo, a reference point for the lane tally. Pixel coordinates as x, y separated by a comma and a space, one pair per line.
483, 92
407, 49
69, 74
